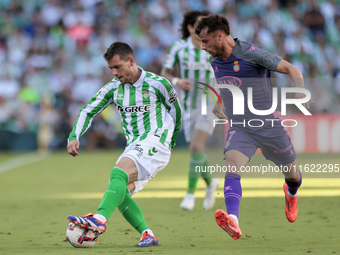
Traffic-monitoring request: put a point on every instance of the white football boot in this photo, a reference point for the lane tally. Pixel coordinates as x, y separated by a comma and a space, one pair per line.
188, 202
209, 200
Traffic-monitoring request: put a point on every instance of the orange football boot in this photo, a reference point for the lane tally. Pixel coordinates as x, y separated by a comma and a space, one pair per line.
228, 224
291, 209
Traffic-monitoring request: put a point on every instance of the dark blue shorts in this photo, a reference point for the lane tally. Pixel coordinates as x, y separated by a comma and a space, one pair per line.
278, 149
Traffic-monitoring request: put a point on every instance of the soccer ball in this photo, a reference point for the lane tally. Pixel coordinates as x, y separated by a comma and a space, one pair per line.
81, 237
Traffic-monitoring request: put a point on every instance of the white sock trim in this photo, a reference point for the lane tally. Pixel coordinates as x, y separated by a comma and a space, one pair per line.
99, 217
149, 232
290, 194
234, 217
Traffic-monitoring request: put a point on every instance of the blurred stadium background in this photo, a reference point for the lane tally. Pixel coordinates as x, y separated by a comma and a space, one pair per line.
51, 58
51, 64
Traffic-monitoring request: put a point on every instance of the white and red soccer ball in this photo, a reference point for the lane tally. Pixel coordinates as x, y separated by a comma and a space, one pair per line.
81, 237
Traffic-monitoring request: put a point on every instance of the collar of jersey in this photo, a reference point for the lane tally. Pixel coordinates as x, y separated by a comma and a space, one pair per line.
141, 78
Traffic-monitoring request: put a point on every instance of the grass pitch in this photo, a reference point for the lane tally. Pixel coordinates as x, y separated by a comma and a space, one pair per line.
36, 198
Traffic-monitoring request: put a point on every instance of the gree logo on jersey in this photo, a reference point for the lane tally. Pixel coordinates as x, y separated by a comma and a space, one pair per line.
204, 99
136, 108
196, 66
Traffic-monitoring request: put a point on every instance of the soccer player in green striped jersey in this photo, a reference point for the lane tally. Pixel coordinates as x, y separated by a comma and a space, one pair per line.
151, 118
193, 65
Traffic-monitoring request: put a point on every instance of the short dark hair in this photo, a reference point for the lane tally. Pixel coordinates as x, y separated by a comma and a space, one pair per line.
190, 18
123, 50
213, 22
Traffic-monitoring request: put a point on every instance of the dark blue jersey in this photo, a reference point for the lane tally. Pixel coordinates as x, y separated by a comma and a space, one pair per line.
249, 65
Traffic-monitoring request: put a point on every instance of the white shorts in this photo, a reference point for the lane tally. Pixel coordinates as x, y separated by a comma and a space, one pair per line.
194, 120
150, 156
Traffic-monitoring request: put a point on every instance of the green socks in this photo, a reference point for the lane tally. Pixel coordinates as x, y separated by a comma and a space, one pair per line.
115, 193
132, 213
197, 161
206, 175
118, 196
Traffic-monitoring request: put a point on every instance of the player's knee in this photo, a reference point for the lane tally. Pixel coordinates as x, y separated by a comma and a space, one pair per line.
233, 165
196, 147
231, 161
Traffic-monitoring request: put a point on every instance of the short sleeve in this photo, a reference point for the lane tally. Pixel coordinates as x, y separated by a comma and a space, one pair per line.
260, 57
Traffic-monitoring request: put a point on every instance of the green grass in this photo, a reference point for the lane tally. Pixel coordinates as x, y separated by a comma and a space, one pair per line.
6, 156
33, 213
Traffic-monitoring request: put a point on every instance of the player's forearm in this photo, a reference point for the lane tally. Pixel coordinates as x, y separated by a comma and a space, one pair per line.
97, 104
79, 126
73, 135
294, 73
86, 115
173, 138
177, 117
167, 74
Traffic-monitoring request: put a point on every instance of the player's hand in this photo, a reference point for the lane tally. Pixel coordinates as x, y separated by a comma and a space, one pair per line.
302, 95
73, 148
219, 111
183, 84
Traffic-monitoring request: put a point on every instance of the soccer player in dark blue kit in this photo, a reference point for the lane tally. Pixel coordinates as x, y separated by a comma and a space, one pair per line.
246, 65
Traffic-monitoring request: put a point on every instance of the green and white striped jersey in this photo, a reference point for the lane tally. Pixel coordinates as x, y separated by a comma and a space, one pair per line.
193, 64
147, 107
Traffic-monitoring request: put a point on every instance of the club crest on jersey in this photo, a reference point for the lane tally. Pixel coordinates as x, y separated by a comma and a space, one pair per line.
119, 96
146, 94
236, 66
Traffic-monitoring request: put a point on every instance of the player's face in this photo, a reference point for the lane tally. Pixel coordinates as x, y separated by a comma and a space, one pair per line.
211, 43
121, 69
